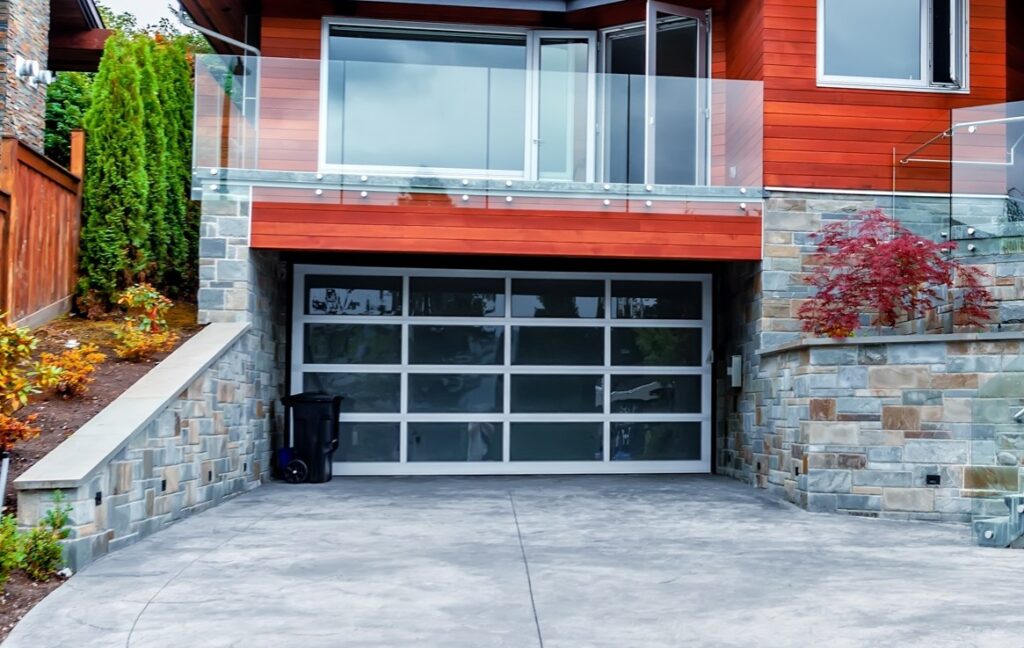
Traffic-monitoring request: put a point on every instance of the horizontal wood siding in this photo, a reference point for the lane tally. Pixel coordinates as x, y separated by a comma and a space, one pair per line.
423, 223
39, 232
838, 138
416, 223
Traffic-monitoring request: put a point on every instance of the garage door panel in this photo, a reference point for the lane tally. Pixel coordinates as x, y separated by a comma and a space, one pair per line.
504, 372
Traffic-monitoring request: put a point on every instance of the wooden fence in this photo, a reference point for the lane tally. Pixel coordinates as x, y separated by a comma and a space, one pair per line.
40, 208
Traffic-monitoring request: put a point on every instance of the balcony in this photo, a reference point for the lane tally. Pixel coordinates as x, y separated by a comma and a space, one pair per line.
497, 140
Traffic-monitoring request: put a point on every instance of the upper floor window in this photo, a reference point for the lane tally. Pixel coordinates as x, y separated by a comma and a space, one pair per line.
905, 44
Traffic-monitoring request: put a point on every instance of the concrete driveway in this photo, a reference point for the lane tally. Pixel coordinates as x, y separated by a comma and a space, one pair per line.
521, 562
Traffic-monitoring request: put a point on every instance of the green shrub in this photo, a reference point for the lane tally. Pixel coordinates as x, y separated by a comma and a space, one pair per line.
67, 100
10, 547
115, 237
44, 555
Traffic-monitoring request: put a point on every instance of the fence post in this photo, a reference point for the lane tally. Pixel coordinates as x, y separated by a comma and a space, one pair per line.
78, 153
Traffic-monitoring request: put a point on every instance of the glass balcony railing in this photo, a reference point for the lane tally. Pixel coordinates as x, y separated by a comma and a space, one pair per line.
987, 154
393, 134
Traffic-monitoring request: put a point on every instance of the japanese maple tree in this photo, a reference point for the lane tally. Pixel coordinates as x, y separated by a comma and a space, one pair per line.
876, 266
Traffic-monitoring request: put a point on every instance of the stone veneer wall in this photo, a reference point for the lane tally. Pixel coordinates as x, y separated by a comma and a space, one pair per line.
210, 441
762, 424
25, 31
859, 427
238, 284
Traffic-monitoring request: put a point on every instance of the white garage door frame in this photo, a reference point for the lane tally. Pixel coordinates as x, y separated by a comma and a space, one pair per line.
507, 467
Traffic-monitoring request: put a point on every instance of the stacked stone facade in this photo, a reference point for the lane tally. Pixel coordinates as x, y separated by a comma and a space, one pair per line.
237, 284
212, 442
25, 32
866, 427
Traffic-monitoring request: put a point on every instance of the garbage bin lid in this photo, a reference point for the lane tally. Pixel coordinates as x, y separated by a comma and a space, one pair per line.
310, 397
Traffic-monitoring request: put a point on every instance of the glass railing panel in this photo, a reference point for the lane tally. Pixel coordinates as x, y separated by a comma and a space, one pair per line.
988, 179
553, 138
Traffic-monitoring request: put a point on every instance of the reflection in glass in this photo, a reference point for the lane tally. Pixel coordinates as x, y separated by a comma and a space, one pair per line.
556, 442
455, 393
368, 442
547, 393
464, 345
656, 347
426, 99
562, 106
567, 298
895, 29
363, 393
352, 344
656, 394
657, 300
353, 295
625, 105
655, 441
475, 441
457, 296
557, 345
677, 102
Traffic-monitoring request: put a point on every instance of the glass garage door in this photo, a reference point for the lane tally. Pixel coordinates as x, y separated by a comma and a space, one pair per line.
478, 372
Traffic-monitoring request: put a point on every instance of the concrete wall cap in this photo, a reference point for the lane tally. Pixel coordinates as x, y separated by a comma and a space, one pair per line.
88, 450
808, 343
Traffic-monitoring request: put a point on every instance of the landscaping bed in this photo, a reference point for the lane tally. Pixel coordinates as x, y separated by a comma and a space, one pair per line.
20, 594
57, 418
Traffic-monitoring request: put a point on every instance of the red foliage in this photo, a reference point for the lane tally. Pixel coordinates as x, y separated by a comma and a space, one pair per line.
876, 265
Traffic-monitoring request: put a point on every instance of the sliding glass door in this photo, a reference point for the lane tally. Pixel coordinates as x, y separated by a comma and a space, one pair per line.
655, 99
563, 121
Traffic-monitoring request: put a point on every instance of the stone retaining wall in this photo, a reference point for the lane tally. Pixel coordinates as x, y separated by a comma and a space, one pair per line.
916, 428
205, 438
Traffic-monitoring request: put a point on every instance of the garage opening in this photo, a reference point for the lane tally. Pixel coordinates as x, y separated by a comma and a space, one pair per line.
502, 372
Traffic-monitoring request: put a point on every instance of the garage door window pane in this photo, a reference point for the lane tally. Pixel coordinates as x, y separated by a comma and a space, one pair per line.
476, 441
557, 345
656, 441
554, 394
657, 300
557, 298
457, 297
656, 347
353, 344
463, 345
368, 442
455, 393
556, 442
353, 295
363, 393
656, 394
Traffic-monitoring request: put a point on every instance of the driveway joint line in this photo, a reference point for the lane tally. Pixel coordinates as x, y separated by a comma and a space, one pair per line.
138, 617
526, 565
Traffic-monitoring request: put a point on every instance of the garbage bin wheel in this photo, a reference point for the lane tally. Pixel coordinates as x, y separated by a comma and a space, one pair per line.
296, 471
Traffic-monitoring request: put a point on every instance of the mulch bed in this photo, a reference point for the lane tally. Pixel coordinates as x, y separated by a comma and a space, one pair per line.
20, 595
58, 418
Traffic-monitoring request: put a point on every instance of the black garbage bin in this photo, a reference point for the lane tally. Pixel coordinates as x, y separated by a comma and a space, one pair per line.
314, 421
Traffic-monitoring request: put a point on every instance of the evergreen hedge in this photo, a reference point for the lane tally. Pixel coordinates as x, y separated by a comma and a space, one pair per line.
115, 229
138, 221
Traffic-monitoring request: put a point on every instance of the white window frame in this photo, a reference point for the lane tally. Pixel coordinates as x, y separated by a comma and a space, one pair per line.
403, 467
960, 41
531, 38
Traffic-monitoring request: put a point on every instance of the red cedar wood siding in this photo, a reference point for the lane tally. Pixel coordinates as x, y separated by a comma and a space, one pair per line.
828, 138
289, 114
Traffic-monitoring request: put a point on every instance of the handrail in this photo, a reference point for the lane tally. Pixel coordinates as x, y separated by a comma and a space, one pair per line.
971, 127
